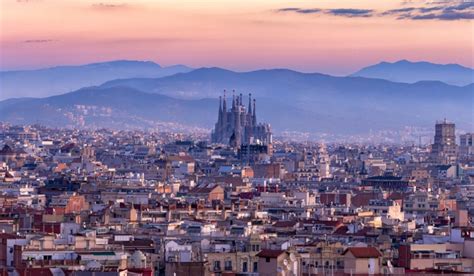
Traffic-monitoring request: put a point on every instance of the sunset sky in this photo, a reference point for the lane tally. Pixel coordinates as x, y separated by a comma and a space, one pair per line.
329, 36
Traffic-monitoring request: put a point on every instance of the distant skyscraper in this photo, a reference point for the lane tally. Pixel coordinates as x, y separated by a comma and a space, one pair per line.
466, 145
324, 162
444, 148
238, 126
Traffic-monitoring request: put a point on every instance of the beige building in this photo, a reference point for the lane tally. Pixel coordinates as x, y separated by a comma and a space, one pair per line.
321, 257
232, 262
386, 208
420, 174
362, 260
457, 257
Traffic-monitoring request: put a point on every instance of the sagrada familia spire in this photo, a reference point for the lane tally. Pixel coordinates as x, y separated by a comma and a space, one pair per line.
238, 126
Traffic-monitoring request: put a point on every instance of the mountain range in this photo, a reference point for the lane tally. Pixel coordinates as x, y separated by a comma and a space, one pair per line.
118, 107
411, 72
288, 100
62, 79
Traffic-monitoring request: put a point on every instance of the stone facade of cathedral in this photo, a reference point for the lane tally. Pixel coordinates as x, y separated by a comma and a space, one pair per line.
238, 125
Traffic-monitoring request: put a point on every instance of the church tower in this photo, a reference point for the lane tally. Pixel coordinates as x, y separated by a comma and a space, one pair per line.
238, 126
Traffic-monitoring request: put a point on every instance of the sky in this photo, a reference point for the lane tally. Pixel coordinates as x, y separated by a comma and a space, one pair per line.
329, 36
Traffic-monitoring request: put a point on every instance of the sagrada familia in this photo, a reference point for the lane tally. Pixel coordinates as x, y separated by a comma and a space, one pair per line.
238, 126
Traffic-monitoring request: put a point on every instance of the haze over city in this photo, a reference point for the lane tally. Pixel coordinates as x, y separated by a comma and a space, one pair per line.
243, 138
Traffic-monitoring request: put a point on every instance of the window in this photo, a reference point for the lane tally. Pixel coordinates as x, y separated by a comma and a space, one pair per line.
255, 266
267, 259
228, 265
217, 265
244, 267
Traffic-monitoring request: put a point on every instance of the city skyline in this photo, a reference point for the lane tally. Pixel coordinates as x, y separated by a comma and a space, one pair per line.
307, 36
236, 137
79, 202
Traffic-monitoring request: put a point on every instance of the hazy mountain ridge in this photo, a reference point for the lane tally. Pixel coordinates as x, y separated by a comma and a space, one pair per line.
62, 79
112, 107
91, 102
362, 102
308, 91
287, 99
210, 82
411, 72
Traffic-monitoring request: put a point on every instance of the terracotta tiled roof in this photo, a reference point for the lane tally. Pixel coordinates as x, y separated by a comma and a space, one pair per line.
341, 230
270, 253
34, 271
8, 236
363, 252
396, 196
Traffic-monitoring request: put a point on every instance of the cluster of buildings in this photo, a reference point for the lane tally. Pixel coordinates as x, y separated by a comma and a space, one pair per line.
102, 202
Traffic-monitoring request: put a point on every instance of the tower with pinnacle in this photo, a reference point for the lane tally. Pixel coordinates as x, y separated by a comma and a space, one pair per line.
238, 126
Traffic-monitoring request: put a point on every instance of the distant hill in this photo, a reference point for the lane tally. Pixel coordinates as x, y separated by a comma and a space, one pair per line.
62, 79
411, 72
354, 103
118, 107
288, 100
123, 108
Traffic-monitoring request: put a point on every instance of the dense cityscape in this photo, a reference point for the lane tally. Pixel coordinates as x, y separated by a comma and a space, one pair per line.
236, 202
236, 138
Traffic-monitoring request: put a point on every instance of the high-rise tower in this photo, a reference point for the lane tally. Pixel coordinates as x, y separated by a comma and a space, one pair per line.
466, 145
444, 148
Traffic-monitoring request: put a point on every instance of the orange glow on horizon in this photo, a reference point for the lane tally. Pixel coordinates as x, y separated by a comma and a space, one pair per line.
239, 35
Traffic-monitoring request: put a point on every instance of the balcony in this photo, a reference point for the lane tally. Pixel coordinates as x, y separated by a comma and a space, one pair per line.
51, 263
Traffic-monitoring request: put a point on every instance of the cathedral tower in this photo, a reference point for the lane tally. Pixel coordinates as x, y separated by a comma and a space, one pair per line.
238, 126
